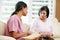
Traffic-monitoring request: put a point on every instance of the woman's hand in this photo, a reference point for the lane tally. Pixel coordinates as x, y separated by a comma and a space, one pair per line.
43, 34
46, 34
49, 34
28, 33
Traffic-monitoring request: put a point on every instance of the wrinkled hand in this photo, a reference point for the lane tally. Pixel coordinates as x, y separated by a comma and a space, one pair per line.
50, 34
43, 34
46, 34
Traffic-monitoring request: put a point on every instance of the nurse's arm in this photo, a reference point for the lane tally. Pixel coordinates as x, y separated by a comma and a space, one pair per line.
17, 35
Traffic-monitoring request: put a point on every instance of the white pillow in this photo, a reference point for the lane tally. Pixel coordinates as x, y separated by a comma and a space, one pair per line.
56, 27
6, 38
2, 28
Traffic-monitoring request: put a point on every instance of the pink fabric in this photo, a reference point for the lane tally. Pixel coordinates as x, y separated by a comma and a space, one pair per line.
14, 24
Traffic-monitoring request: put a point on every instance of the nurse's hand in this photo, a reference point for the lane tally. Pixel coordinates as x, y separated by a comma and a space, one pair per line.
29, 33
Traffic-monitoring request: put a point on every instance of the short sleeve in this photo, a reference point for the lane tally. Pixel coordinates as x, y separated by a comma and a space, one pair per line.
13, 25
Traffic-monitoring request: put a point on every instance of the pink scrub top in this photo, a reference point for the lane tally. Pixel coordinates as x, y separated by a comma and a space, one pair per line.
14, 24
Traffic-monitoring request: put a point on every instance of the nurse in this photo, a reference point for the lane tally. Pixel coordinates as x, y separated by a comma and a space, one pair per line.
42, 24
14, 25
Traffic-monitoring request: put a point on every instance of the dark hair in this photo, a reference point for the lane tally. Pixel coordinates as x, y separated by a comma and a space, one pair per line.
44, 8
19, 6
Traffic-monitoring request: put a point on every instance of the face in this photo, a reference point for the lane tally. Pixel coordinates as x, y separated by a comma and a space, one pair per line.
43, 14
24, 10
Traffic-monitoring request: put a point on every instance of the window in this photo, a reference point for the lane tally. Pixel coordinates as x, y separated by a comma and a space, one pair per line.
8, 6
